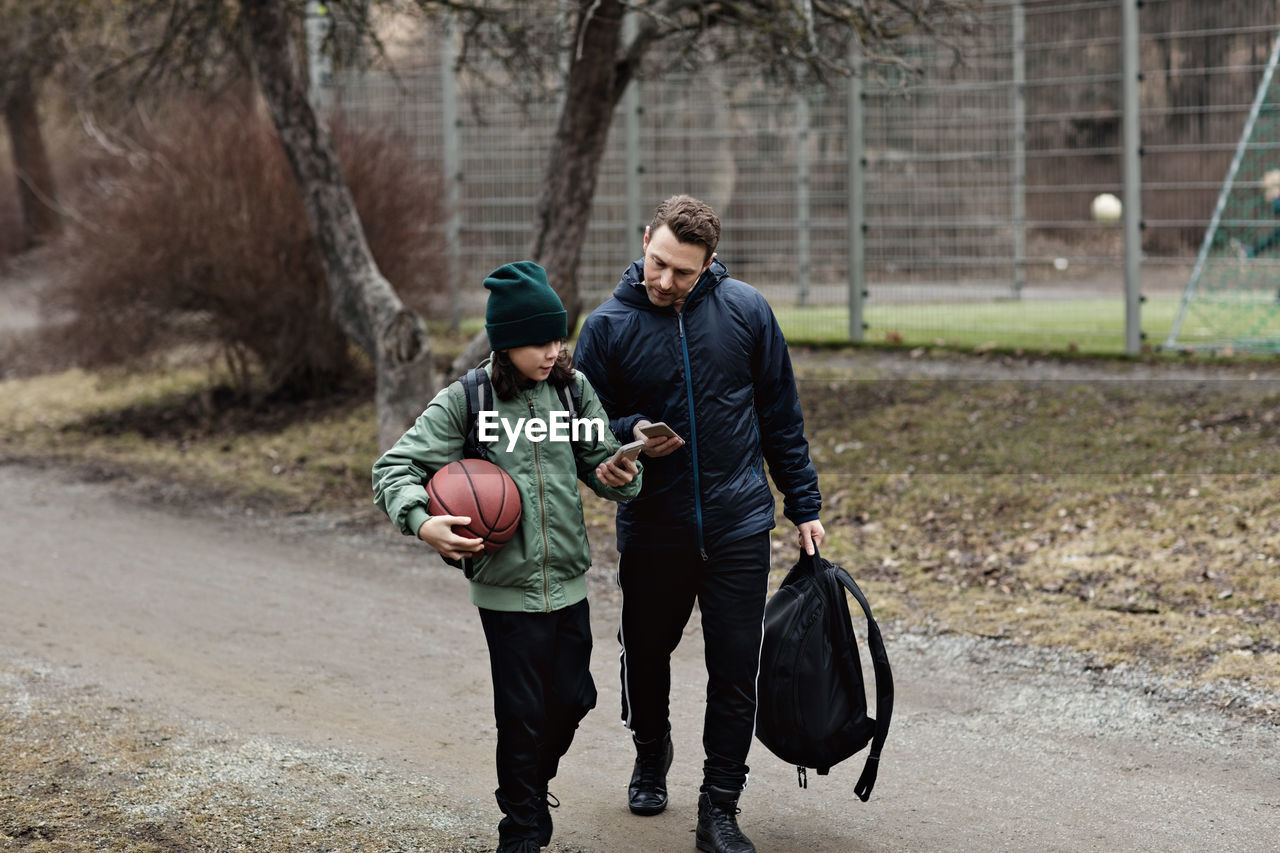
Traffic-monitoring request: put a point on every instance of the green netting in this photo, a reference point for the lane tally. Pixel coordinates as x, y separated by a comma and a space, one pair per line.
1233, 297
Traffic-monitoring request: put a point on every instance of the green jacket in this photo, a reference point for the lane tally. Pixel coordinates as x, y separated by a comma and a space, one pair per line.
544, 565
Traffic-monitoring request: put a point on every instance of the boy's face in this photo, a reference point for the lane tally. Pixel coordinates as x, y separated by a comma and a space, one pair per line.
535, 362
671, 268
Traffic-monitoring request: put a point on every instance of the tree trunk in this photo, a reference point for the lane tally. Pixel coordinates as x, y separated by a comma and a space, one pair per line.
563, 208
37, 195
364, 304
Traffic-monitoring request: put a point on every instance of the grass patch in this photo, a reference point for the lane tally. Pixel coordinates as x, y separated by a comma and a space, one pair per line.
1134, 521
182, 425
1091, 326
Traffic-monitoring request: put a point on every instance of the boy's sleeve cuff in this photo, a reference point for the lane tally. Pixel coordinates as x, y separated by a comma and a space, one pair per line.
414, 519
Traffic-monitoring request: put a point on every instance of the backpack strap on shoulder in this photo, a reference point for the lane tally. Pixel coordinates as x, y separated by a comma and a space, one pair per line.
479, 393
571, 397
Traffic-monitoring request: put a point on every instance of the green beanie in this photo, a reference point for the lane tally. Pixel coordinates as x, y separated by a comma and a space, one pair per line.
523, 310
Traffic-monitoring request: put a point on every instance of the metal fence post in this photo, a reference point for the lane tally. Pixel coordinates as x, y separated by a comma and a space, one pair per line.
1132, 183
633, 225
1018, 197
802, 198
856, 218
452, 157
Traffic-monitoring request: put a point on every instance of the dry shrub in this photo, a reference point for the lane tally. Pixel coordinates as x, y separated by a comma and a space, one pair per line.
401, 203
199, 236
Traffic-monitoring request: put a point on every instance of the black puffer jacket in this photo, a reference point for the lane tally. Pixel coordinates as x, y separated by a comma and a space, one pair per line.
719, 373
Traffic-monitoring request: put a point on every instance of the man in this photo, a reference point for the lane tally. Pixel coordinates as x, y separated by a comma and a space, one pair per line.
682, 342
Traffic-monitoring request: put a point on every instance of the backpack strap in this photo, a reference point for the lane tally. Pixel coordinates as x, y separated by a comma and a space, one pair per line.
884, 689
479, 393
571, 397
478, 390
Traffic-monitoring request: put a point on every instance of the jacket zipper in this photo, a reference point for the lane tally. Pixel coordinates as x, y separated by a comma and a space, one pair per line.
542, 521
693, 436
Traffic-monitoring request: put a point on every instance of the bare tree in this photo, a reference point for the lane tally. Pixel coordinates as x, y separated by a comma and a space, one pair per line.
793, 42
32, 42
163, 45
810, 39
208, 44
364, 303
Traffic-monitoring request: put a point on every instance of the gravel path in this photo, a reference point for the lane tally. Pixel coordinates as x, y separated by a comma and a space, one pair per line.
177, 677
195, 679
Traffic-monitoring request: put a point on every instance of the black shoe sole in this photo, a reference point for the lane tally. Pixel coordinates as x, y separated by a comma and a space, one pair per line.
705, 844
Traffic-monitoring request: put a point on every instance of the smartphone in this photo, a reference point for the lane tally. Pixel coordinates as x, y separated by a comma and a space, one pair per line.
658, 430
627, 451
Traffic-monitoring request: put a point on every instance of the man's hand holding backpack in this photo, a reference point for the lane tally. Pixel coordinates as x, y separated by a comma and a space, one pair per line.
812, 707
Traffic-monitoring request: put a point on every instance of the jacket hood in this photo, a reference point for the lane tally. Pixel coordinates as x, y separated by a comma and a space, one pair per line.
738, 413
630, 290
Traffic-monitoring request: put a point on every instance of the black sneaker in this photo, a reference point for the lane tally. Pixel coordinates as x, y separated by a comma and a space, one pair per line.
647, 794
518, 845
521, 825
718, 827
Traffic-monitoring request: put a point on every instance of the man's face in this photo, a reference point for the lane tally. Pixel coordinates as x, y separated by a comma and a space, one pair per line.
671, 268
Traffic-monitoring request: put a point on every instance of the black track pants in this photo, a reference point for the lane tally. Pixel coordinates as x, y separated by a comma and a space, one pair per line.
542, 688
659, 588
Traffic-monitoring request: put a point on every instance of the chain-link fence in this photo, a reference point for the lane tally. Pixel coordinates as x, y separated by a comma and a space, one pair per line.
952, 203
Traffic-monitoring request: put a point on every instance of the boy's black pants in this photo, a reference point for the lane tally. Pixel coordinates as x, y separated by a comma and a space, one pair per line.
542, 688
659, 587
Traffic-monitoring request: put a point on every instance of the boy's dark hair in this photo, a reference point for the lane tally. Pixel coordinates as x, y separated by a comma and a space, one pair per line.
508, 381
690, 221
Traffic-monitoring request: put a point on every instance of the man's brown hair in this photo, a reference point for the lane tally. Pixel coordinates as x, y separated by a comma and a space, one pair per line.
690, 221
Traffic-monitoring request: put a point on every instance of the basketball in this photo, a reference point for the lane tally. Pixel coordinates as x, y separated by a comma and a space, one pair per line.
481, 491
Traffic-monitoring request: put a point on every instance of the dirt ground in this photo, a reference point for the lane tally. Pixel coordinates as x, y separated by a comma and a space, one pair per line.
175, 676
180, 675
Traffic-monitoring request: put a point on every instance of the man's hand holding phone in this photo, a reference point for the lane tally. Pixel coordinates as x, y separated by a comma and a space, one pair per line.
659, 439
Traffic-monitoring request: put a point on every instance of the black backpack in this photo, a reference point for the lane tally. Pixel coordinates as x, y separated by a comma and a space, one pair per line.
812, 709
478, 389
